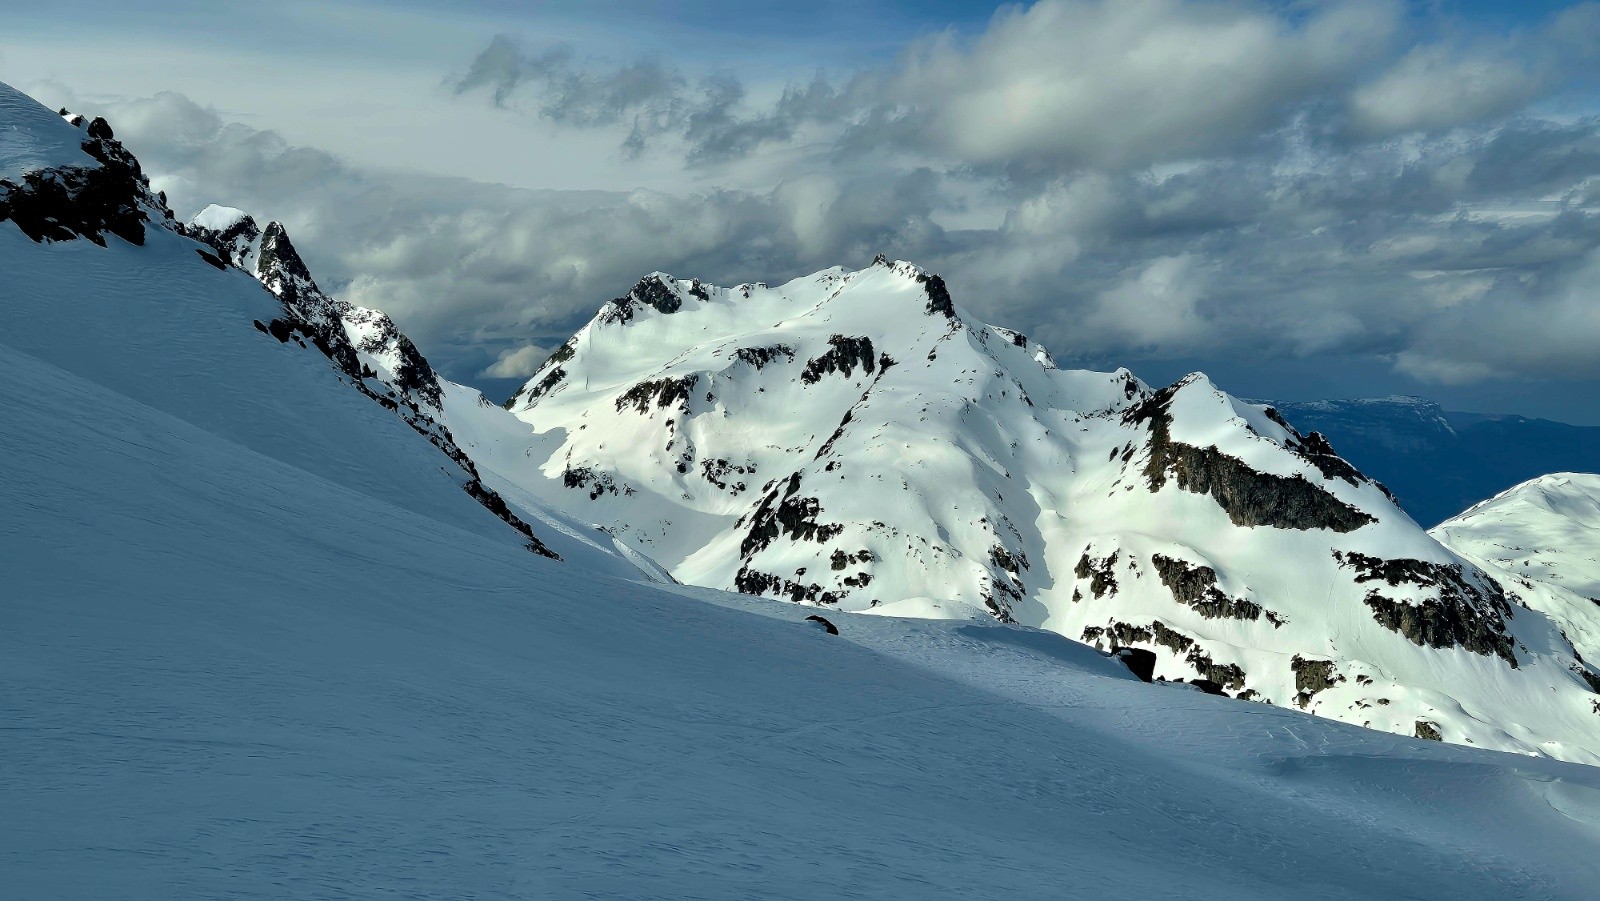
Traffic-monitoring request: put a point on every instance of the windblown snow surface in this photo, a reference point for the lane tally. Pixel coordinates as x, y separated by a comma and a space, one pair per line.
255, 640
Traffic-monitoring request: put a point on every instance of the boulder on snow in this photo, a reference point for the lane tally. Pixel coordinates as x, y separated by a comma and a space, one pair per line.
1140, 662
823, 624
1207, 686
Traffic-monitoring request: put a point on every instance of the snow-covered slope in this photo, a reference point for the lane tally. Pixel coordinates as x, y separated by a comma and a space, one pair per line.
1546, 529
854, 439
228, 676
1542, 538
256, 640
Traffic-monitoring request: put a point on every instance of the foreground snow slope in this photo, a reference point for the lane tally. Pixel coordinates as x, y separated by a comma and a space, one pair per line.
859, 441
230, 676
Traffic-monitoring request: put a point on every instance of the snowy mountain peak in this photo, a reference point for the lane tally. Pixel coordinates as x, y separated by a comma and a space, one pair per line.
220, 218
1546, 530
232, 233
855, 439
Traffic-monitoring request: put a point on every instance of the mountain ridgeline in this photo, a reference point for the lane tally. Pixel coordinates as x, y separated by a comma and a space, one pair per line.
858, 440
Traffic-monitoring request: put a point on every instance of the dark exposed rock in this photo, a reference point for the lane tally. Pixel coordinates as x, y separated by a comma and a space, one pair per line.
1588, 677
596, 483
1312, 676
1250, 498
1010, 562
283, 272
1273, 414
115, 197
1429, 731
939, 302
1140, 662
823, 623
659, 393
651, 291
1016, 338
232, 244
1168, 638
1316, 449
846, 355
840, 561
1099, 572
759, 357
1229, 675
793, 516
69, 202
1208, 686
1126, 634
543, 386
552, 378
721, 474
1463, 614
827, 446
755, 582
1196, 587
411, 371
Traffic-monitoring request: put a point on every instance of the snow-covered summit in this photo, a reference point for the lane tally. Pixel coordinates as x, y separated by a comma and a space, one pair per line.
1546, 529
857, 439
218, 218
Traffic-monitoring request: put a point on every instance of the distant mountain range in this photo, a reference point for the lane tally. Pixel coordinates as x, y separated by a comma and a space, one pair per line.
1439, 463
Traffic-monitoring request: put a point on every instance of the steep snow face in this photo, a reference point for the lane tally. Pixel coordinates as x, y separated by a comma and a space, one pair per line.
854, 439
32, 138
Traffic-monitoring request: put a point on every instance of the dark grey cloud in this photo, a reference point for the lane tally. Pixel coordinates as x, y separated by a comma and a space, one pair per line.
709, 116
566, 92
1062, 85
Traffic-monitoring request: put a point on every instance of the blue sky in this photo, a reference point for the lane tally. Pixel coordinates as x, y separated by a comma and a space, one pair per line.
1309, 199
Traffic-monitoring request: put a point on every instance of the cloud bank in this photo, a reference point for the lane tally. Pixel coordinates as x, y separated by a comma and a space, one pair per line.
1126, 181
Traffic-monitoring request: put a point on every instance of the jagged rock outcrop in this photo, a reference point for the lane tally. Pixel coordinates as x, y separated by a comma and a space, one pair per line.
76, 181
107, 193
